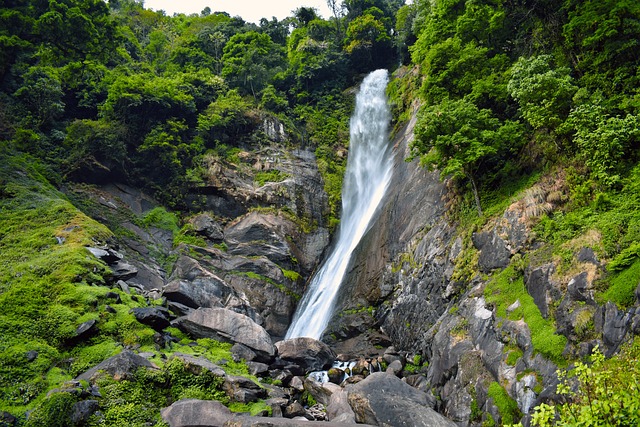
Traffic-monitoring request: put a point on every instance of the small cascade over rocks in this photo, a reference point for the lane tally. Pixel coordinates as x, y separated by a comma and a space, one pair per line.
369, 170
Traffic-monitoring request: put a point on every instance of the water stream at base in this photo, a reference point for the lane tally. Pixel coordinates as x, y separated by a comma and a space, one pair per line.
369, 168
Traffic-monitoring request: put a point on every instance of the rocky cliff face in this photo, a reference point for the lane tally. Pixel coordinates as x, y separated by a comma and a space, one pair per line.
431, 288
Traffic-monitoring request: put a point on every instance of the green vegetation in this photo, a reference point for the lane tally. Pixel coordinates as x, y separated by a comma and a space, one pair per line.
508, 287
273, 175
507, 407
508, 94
606, 392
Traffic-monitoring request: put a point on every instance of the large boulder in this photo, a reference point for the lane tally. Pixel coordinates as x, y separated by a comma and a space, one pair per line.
310, 354
196, 413
156, 317
493, 251
228, 326
120, 366
194, 286
385, 400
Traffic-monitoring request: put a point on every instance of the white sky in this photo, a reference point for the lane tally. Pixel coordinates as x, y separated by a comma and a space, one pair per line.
249, 10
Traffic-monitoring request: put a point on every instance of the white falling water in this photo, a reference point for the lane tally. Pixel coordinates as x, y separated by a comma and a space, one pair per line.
369, 168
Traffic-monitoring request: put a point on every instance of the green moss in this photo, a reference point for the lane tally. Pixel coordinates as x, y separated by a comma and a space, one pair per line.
294, 276
503, 290
623, 287
273, 175
259, 408
54, 411
507, 407
513, 357
159, 217
270, 281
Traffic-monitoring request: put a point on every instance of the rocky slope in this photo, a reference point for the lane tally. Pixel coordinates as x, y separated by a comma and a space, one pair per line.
443, 293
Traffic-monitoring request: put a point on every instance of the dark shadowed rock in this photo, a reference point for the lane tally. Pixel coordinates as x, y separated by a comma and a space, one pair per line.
123, 271
310, 354
196, 413
493, 251
294, 409
205, 225
243, 390
615, 325
82, 411
86, 330
586, 254
228, 326
383, 399
120, 366
538, 281
6, 419
156, 317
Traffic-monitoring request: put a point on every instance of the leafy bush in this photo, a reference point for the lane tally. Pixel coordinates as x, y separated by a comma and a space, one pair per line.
598, 393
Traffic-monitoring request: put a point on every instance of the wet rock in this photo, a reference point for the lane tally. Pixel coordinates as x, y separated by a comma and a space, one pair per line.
120, 366
308, 353
336, 375
399, 405
156, 317
192, 413
228, 326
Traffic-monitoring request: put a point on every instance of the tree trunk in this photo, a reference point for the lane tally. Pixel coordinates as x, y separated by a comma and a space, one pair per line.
476, 197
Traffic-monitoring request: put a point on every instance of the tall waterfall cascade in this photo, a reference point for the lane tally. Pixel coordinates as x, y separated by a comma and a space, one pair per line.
369, 169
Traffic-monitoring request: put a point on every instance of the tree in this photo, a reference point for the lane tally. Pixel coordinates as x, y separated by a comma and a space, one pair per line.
543, 92
457, 138
250, 60
41, 93
368, 43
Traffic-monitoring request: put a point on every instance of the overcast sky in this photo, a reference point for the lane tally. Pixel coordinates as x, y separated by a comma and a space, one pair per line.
249, 10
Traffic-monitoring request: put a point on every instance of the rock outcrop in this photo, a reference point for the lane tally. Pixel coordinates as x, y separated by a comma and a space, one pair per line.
383, 399
227, 326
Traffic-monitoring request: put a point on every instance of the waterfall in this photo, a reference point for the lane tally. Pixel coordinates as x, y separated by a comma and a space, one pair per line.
369, 168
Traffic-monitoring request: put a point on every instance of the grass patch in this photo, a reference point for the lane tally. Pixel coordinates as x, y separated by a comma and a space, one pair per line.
623, 286
507, 407
273, 175
503, 290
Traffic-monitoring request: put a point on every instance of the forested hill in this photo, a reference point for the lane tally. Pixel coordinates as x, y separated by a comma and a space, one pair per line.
190, 108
